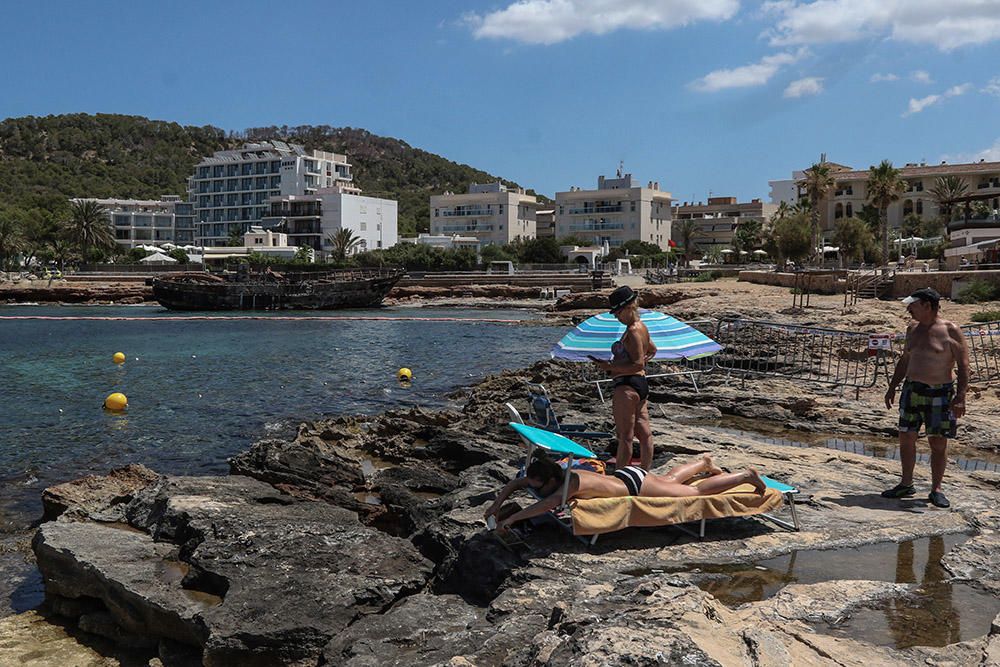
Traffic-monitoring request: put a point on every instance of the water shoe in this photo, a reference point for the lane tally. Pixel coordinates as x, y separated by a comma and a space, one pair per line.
938, 500
900, 491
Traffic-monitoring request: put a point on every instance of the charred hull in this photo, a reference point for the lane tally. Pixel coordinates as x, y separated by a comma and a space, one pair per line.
306, 291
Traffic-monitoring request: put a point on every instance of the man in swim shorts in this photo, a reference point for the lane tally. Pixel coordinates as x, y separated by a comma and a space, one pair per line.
929, 396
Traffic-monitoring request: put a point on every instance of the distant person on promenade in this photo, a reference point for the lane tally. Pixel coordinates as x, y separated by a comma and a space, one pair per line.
929, 396
628, 372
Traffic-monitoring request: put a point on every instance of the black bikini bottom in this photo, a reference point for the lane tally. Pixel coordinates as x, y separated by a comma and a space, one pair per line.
637, 382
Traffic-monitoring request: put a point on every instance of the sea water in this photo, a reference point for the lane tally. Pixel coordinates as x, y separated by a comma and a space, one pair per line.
202, 390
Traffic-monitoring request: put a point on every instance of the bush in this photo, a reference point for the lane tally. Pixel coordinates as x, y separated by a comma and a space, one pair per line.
978, 291
986, 316
705, 277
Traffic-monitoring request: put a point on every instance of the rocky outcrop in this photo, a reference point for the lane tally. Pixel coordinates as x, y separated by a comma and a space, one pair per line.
98, 497
361, 542
229, 567
124, 293
649, 297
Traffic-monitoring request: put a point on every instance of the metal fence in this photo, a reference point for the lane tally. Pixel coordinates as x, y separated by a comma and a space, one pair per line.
984, 351
846, 359
797, 352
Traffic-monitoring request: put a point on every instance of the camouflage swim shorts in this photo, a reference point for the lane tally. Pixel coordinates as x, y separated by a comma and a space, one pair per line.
928, 405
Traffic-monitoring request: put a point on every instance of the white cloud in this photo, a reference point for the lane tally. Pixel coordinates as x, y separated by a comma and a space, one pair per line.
991, 154
945, 25
992, 87
918, 105
811, 85
552, 21
879, 78
747, 76
920, 76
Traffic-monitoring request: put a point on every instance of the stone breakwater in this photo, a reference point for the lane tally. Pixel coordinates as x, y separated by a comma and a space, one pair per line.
361, 542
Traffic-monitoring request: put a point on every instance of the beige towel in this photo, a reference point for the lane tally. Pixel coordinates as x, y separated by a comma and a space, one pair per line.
595, 516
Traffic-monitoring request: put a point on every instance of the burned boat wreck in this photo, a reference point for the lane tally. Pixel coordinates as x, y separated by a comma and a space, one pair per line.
270, 290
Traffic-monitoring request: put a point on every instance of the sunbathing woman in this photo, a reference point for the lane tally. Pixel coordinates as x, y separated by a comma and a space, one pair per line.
547, 477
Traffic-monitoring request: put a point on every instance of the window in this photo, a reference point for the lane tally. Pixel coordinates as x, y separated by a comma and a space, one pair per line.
631, 206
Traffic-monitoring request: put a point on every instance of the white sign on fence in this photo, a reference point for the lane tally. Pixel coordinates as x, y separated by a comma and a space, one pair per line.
878, 342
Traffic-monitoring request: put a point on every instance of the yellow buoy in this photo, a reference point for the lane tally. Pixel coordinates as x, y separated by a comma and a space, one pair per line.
404, 374
116, 402
119, 358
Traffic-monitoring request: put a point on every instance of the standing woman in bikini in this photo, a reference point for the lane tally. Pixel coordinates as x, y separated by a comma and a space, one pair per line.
627, 369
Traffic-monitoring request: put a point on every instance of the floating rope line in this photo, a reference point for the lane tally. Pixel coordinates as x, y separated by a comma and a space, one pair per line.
314, 318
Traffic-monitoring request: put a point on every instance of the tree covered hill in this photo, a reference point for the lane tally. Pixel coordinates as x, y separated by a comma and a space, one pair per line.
44, 161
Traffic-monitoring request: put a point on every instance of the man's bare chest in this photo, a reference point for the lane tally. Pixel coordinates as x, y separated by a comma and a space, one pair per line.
930, 342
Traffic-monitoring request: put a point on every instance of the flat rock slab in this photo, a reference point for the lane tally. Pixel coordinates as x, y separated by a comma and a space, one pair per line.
250, 576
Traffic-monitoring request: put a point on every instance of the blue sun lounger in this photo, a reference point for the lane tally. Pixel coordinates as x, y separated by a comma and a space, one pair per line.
533, 438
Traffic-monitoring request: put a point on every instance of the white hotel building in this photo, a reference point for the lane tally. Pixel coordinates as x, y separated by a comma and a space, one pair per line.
231, 190
309, 219
490, 212
616, 212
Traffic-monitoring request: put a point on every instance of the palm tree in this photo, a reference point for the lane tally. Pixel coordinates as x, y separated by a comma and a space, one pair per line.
884, 187
12, 242
817, 183
88, 227
60, 249
344, 242
784, 210
688, 229
945, 189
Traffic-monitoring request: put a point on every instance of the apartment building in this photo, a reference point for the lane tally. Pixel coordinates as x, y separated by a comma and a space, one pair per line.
231, 190
619, 210
490, 212
310, 219
850, 193
149, 221
717, 220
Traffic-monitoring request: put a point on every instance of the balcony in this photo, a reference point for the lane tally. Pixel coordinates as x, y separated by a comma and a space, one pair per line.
595, 209
448, 229
465, 213
596, 226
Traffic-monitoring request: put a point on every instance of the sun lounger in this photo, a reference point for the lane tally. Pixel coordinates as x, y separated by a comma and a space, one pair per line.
595, 516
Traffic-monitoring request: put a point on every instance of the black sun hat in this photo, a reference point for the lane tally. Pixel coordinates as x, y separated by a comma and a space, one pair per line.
928, 294
620, 298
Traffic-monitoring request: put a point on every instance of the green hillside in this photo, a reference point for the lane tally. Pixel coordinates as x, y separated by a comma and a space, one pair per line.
45, 161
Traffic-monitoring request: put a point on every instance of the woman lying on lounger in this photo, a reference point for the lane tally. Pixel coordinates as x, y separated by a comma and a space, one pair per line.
547, 477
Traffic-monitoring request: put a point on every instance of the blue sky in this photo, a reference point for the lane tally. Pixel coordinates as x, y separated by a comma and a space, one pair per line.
701, 95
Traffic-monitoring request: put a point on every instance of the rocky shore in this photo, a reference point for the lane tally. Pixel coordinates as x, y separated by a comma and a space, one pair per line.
361, 542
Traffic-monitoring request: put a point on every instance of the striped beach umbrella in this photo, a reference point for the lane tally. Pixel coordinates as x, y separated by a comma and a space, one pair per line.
595, 336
